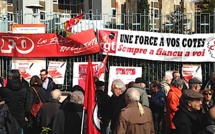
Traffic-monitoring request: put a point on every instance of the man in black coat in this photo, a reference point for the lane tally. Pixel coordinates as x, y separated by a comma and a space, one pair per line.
102, 99
69, 119
49, 109
188, 119
15, 96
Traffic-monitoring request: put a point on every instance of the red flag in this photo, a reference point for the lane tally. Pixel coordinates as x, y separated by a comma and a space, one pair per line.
102, 67
90, 105
72, 22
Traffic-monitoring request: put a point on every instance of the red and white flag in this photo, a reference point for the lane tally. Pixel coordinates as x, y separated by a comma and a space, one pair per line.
90, 104
72, 22
102, 67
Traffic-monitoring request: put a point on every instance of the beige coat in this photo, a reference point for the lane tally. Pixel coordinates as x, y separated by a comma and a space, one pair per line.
131, 122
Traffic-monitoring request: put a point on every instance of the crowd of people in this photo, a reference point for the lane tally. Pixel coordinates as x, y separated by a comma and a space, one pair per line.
171, 106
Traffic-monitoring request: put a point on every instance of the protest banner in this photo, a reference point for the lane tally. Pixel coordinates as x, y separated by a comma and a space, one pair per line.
48, 45
56, 70
190, 71
126, 74
158, 46
28, 67
80, 72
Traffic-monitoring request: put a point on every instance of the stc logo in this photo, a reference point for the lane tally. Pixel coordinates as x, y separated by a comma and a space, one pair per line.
23, 45
211, 47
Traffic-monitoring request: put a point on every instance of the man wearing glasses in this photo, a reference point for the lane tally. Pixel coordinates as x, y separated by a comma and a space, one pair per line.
48, 83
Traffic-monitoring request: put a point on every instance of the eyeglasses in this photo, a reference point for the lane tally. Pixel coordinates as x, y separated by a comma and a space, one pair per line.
207, 93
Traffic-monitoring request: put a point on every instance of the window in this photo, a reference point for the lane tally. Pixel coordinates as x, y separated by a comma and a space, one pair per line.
42, 15
10, 16
10, 1
155, 12
55, 1
113, 12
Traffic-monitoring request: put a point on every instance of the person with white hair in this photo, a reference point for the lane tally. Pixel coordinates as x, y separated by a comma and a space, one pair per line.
116, 102
165, 84
49, 109
135, 118
69, 119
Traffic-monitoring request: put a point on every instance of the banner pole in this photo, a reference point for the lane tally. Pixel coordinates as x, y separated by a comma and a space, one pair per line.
82, 121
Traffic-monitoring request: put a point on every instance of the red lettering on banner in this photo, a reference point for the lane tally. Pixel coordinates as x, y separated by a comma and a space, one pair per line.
199, 53
80, 48
132, 50
162, 52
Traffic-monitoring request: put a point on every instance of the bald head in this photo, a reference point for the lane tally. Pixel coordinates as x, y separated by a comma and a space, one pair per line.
167, 79
133, 94
55, 94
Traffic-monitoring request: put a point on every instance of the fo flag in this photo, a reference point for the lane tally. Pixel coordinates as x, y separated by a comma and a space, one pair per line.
102, 67
90, 104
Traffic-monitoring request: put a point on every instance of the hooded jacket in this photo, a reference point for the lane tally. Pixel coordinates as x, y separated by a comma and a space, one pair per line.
15, 96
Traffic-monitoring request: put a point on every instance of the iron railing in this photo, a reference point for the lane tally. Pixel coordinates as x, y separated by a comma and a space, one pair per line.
152, 70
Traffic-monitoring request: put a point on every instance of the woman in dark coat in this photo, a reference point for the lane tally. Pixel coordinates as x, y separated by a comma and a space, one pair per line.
14, 95
32, 98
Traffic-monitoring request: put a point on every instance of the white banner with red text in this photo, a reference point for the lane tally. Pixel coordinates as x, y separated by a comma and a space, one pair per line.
158, 46
190, 71
48, 45
56, 70
126, 74
28, 66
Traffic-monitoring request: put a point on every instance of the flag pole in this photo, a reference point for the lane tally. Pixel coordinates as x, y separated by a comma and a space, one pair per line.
82, 121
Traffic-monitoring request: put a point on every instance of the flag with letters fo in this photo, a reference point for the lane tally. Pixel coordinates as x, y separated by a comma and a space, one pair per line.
90, 104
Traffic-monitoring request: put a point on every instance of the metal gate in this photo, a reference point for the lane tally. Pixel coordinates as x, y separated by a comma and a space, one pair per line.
152, 70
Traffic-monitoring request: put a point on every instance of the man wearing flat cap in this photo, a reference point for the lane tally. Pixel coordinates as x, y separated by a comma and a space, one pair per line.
195, 84
102, 99
187, 118
140, 84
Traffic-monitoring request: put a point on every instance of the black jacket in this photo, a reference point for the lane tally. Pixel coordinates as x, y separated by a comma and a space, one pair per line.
15, 97
102, 99
3, 114
115, 104
47, 113
187, 122
68, 120
32, 97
